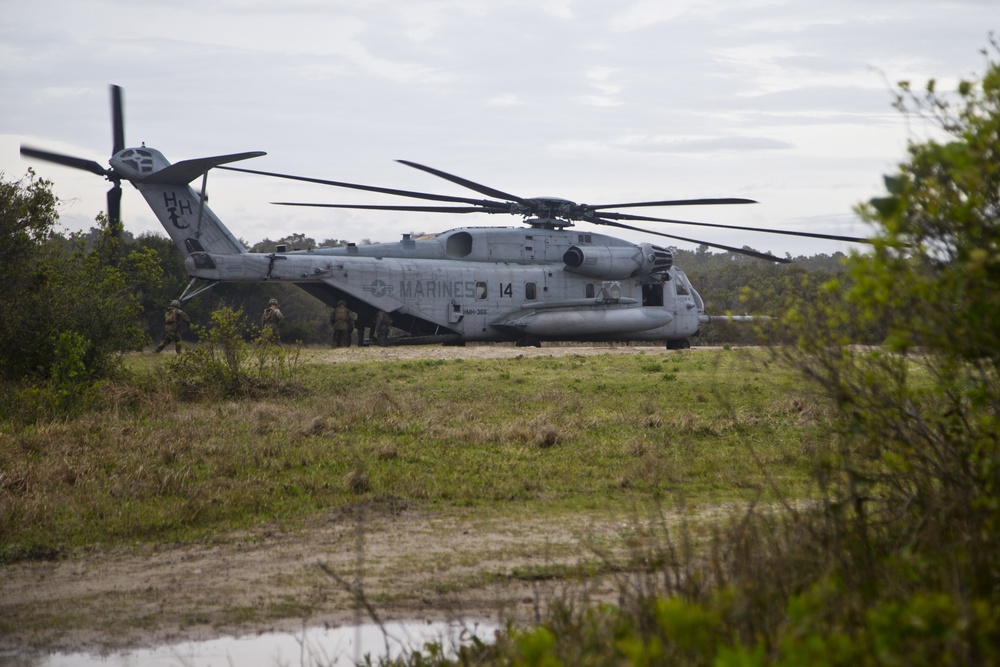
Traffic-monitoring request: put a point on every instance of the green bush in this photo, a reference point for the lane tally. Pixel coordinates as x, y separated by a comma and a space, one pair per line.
233, 359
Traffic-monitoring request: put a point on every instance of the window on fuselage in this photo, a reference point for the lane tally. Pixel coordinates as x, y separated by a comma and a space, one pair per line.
652, 295
590, 290
480, 290
530, 291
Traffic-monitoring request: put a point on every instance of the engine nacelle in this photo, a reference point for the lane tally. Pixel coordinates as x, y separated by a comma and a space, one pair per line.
617, 262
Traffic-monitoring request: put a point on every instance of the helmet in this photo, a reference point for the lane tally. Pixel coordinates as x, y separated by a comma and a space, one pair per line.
273, 302
175, 303
341, 303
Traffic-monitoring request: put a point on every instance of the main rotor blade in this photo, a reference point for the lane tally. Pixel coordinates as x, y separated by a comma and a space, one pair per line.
376, 207
464, 182
788, 232
677, 202
372, 188
117, 120
741, 251
65, 160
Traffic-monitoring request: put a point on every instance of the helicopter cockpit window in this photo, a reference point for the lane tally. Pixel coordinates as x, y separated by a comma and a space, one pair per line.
681, 285
590, 290
530, 291
480, 290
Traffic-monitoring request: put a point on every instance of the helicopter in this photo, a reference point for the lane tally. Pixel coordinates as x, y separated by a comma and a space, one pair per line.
543, 281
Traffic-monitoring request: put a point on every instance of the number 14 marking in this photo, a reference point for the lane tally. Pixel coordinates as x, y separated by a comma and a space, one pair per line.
506, 289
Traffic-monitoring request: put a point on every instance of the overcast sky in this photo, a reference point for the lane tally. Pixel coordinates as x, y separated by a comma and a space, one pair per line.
600, 101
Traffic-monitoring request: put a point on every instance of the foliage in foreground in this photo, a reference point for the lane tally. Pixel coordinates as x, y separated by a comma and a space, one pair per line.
67, 308
918, 465
233, 360
897, 564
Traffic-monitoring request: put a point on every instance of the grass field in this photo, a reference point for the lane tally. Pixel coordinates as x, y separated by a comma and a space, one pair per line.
542, 433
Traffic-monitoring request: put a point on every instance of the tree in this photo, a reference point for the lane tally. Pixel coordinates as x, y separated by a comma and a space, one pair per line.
913, 485
61, 295
733, 283
27, 216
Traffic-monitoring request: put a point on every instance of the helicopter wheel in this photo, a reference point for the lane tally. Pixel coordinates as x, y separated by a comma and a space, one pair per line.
528, 341
682, 344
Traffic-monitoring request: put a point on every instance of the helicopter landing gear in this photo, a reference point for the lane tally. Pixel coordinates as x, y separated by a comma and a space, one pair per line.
682, 344
528, 341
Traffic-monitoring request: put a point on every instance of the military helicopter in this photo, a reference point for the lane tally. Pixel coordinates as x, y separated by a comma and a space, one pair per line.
542, 282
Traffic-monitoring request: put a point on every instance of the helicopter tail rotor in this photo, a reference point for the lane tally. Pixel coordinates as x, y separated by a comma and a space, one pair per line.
114, 196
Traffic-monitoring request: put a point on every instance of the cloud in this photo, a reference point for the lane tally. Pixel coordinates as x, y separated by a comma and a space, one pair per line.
507, 100
789, 100
669, 145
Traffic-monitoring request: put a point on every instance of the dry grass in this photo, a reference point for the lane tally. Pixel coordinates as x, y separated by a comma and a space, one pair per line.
557, 432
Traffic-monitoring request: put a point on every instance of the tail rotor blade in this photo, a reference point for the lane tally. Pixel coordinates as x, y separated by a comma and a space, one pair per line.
115, 207
64, 160
117, 120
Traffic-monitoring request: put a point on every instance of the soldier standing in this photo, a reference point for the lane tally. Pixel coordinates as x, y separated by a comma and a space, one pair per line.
271, 320
171, 326
382, 323
342, 320
366, 323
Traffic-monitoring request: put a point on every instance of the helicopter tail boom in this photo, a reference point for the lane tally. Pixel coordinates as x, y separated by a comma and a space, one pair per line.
188, 221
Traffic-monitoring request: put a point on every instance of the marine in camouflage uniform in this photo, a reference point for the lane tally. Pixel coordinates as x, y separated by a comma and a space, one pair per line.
342, 321
382, 323
172, 326
366, 327
271, 321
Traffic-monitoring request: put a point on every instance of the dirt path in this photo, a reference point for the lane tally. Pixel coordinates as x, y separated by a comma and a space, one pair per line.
413, 565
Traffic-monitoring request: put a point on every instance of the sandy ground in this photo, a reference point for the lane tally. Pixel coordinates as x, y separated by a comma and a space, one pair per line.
409, 565
412, 567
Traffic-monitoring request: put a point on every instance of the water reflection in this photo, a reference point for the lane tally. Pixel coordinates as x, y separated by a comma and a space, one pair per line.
313, 647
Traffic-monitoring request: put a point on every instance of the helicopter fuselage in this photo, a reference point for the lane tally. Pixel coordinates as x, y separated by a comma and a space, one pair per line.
544, 282
489, 284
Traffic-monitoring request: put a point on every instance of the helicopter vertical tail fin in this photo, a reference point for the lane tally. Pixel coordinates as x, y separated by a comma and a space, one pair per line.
181, 210
188, 221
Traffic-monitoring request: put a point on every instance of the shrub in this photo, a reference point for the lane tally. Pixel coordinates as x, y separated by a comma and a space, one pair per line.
227, 364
